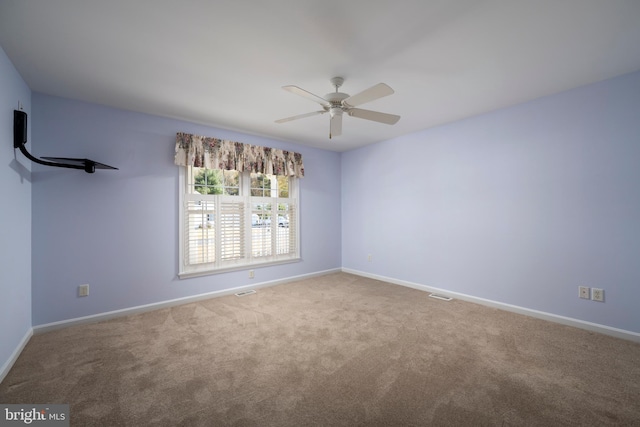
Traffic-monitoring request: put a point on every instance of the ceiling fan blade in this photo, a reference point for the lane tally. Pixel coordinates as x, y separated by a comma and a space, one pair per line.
335, 126
300, 116
306, 94
376, 116
368, 95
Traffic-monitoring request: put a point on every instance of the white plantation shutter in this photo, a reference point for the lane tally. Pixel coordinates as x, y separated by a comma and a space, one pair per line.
274, 237
261, 227
286, 238
232, 226
200, 231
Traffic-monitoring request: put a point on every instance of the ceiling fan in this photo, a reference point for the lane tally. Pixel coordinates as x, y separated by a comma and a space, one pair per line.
336, 103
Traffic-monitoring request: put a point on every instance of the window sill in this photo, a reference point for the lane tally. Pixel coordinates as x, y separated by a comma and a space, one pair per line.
239, 267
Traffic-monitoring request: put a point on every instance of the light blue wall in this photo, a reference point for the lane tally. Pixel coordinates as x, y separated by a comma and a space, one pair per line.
15, 218
519, 206
118, 230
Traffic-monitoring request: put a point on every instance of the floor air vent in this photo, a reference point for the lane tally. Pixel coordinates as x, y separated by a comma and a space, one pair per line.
441, 297
245, 293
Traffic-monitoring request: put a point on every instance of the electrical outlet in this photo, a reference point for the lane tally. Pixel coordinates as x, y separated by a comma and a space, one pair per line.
83, 290
369, 258
597, 294
251, 274
583, 292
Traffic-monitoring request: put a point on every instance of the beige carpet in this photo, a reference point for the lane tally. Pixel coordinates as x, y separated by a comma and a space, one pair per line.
333, 350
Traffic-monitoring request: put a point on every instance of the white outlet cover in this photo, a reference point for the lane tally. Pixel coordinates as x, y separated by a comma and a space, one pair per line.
597, 294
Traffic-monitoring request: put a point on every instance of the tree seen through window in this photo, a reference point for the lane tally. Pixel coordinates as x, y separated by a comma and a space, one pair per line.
215, 181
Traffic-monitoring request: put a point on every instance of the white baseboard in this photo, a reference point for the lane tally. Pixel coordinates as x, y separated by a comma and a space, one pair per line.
593, 327
155, 306
14, 356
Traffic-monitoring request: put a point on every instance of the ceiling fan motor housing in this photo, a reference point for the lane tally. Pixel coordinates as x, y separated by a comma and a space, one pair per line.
335, 99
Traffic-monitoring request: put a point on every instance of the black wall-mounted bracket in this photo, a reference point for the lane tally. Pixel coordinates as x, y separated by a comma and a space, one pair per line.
20, 139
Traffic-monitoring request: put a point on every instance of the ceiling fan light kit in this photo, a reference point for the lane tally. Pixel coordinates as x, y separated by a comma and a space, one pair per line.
336, 103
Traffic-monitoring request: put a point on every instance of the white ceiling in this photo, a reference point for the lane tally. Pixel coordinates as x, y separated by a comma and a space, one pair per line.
223, 63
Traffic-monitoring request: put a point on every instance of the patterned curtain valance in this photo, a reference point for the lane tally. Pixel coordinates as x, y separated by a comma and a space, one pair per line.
213, 153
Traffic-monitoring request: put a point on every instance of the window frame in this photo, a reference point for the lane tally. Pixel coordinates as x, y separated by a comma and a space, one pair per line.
249, 261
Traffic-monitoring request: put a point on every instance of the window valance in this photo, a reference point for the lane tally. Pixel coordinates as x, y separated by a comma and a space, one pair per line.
213, 153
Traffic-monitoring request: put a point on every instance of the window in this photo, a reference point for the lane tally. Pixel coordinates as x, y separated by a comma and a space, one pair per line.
233, 220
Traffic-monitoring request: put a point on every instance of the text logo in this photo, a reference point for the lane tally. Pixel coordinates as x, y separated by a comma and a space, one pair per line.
37, 415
